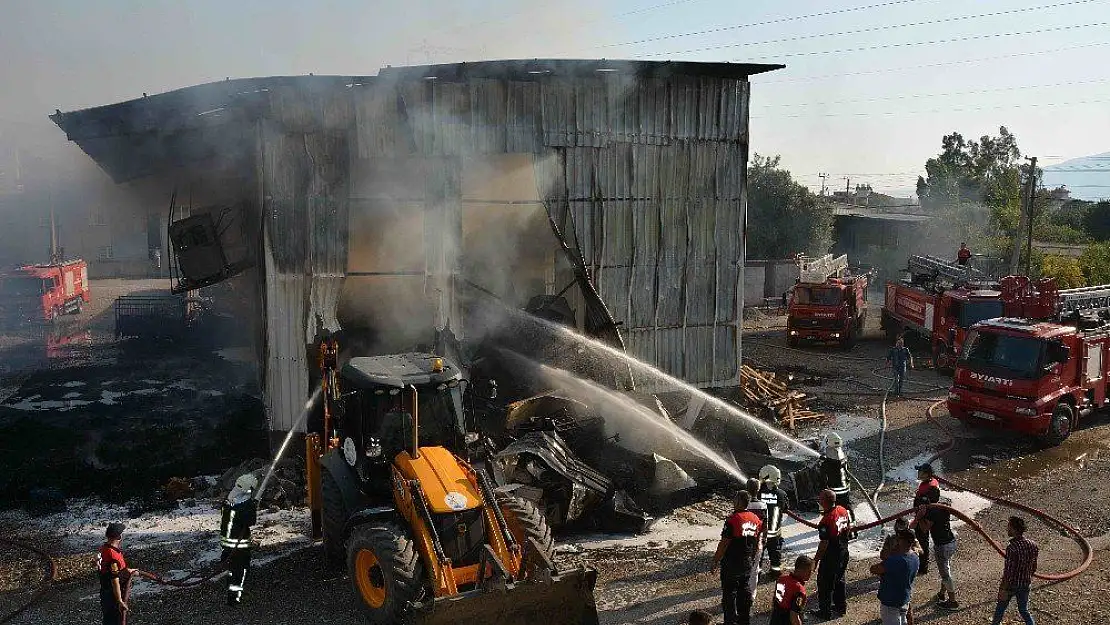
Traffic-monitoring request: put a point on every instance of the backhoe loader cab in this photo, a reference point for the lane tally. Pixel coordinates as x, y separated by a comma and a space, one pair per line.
373, 420
425, 537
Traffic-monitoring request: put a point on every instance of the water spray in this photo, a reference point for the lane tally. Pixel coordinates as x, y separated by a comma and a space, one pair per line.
307, 410
627, 405
651, 371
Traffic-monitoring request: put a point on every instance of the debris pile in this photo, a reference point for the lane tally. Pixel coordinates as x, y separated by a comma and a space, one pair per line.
766, 393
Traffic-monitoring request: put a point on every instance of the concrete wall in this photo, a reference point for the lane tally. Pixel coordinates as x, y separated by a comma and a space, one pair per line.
767, 279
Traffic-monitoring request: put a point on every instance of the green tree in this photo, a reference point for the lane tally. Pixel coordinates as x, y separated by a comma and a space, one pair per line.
1095, 263
1096, 221
784, 217
1064, 269
974, 188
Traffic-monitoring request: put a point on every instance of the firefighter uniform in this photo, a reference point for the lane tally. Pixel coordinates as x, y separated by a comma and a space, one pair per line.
928, 491
834, 468
740, 566
239, 513
112, 566
835, 527
776, 502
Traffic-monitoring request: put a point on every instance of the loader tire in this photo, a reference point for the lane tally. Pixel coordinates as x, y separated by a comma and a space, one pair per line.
333, 518
386, 573
526, 521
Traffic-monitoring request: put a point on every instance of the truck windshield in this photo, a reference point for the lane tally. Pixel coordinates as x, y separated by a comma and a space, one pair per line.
1017, 356
817, 296
973, 312
21, 286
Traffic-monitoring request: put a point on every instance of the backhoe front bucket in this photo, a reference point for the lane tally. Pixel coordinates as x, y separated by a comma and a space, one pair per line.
568, 599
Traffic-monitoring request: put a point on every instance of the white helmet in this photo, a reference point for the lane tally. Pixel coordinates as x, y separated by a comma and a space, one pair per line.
770, 474
247, 481
833, 441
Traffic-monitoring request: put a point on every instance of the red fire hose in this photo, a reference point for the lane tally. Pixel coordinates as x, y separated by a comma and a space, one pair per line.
1084, 545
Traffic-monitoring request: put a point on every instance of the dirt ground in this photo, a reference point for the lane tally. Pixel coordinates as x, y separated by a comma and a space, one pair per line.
657, 579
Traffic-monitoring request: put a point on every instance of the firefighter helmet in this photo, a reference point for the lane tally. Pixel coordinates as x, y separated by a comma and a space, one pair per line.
833, 441
246, 482
770, 474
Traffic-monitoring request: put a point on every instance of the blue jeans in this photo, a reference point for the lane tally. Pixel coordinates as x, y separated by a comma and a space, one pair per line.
899, 378
1022, 594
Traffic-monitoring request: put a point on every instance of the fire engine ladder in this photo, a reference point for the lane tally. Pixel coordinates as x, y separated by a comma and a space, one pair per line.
819, 269
1090, 298
933, 266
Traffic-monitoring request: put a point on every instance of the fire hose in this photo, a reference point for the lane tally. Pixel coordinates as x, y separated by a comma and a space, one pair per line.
49, 576
950, 443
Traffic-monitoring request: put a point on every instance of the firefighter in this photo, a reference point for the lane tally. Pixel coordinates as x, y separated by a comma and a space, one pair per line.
115, 577
834, 468
775, 499
737, 556
928, 491
239, 513
831, 559
963, 255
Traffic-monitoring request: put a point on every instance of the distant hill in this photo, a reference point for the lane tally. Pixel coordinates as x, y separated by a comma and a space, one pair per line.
1084, 185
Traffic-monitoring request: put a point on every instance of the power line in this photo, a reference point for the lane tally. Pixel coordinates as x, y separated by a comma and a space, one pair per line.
780, 20
758, 79
945, 110
945, 94
872, 29
926, 43
1077, 170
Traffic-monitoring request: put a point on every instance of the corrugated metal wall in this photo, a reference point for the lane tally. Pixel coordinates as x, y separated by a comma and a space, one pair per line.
646, 177
303, 143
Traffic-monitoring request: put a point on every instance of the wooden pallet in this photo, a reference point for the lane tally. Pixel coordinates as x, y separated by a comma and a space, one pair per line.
760, 389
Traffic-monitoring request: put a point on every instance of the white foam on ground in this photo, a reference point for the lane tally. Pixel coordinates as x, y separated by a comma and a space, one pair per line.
191, 533
52, 404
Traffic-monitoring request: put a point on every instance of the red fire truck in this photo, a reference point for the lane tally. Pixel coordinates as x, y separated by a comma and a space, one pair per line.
939, 302
45, 292
1033, 376
827, 305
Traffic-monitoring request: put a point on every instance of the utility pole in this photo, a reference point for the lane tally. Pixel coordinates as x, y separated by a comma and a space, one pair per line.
1026, 224
848, 190
53, 226
1032, 192
822, 177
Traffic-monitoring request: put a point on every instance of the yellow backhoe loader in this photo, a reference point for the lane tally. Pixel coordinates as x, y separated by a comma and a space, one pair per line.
425, 537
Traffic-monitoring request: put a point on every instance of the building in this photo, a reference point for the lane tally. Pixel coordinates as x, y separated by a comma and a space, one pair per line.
379, 200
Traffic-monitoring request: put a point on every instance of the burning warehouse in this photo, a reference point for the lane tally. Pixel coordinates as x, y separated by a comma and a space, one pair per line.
610, 192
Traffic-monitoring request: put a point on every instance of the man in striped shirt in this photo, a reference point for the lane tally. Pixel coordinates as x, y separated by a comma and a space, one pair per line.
1021, 563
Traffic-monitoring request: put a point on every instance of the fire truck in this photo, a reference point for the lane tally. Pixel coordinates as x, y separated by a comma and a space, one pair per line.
827, 305
45, 292
939, 301
1036, 376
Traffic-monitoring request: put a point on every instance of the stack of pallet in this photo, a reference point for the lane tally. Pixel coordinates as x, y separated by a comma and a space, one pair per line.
765, 392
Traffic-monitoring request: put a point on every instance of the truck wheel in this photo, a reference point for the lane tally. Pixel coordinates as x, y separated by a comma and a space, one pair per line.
386, 573
526, 521
1060, 427
77, 308
792, 341
333, 516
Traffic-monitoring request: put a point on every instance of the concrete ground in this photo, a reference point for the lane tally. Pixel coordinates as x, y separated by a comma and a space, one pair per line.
658, 578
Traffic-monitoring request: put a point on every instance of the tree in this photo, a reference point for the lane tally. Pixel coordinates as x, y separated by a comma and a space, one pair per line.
974, 188
1096, 221
1095, 263
1064, 269
784, 217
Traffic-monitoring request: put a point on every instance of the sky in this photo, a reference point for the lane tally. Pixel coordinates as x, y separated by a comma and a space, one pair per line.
869, 89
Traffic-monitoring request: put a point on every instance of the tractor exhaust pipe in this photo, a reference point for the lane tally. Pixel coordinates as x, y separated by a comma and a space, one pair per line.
414, 398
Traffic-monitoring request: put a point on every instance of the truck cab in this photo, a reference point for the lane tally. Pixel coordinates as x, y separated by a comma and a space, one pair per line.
828, 304
959, 310
1033, 377
44, 292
